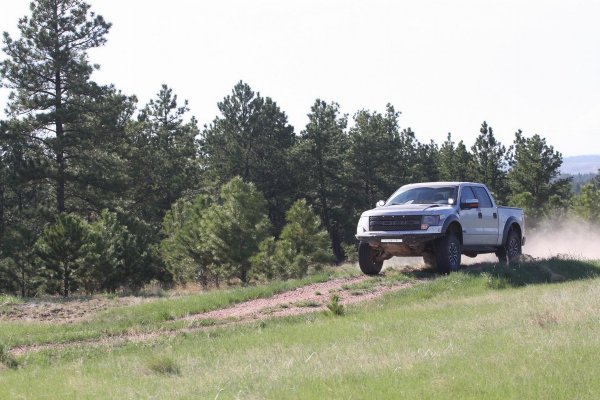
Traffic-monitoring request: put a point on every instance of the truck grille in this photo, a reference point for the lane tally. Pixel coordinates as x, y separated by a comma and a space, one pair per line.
395, 223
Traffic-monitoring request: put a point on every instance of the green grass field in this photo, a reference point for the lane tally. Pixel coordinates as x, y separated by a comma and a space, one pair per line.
526, 331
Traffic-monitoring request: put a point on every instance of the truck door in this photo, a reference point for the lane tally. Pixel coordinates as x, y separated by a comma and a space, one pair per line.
489, 217
469, 218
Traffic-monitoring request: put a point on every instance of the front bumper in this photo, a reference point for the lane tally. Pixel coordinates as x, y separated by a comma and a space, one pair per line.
399, 237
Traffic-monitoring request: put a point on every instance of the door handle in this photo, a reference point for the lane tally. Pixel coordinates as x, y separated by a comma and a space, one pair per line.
480, 214
495, 216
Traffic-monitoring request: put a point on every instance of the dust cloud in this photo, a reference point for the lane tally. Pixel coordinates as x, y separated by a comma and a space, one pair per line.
568, 237
552, 237
571, 237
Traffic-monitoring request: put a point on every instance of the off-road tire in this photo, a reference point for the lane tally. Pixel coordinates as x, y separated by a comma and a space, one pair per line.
511, 250
448, 253
366, 259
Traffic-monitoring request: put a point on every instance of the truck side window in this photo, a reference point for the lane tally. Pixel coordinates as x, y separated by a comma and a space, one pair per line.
483, 197
466, 194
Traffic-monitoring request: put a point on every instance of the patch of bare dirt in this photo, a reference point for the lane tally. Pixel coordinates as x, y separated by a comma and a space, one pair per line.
61, 311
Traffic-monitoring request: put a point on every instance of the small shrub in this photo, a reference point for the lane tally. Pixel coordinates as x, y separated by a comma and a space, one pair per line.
202, 323
545, 319
152, 289
334, 305
8, 300
307, 303
494, 282
351, 253
392, 275
164, 365
6, 358
168, 316
368, 285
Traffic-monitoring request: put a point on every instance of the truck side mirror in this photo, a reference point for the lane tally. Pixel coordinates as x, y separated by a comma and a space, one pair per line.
469, 204
380, 203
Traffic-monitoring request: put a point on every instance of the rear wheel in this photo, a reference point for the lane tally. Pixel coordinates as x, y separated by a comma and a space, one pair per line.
366, 259
448, 253
511, 251
513, 246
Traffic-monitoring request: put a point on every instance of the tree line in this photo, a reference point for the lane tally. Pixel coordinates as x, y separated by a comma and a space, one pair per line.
99, 193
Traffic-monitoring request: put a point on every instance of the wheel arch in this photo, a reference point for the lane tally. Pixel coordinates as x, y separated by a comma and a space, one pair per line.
453, 224
511, 223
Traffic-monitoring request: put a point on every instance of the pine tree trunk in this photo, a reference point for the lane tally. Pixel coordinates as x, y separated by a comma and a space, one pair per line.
59, 147
23, 281
1, 209
60, 157
336, 245
23, 292
244, 273
329, 225
60, 182
66, 280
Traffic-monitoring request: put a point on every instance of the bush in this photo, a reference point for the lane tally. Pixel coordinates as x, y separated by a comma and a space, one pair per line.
108, 263
6, 358
215, 239
183, 250
335, 306
351, 253
236, 227
164, 365
303, 246
63, 248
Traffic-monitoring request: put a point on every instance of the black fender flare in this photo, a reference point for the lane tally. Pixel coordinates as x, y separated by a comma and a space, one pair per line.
509, 222
450, 219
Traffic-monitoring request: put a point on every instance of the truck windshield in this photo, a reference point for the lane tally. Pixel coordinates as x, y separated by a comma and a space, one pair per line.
423, 195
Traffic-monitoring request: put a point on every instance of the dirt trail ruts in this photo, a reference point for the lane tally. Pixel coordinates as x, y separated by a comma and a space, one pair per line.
303, 300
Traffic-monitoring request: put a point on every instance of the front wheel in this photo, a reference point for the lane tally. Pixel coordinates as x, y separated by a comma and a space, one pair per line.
366, 259
448, 253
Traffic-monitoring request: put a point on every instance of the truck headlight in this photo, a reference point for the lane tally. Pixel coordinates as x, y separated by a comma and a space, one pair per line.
429, 220
363, 225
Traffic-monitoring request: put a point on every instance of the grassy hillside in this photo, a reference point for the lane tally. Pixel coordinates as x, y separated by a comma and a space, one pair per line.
530, 331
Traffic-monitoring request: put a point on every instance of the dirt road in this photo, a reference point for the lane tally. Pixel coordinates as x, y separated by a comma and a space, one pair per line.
307, 299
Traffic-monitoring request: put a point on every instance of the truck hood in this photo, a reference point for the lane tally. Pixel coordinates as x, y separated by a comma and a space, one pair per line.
408, 209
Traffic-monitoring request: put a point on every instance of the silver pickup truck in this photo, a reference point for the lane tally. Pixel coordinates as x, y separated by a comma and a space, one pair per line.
439, 221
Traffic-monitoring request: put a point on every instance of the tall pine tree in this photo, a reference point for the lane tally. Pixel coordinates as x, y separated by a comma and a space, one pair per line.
490, 162
164, 161
373, 147
23, 208
534, 176
49, 73
252, 139
320, 154
454, 161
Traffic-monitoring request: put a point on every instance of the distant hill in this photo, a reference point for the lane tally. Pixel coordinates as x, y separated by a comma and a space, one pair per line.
580, 164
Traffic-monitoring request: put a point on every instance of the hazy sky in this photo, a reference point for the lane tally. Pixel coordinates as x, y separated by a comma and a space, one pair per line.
446, 65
